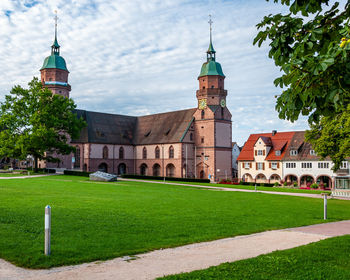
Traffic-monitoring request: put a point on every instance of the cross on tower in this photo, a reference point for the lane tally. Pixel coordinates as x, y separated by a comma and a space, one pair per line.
56, 18
210, 23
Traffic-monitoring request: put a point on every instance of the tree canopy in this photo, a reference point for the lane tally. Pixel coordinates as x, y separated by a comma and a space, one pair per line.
311, 46
36, 122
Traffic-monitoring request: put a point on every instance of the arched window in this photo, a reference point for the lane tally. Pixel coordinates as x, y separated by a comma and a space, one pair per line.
121, 153
77, 157
121, 168
156, 169
143, 169
171, 152
105, 152
170, 170
103, 167
191, 136
144, 153
222, 112
202, 114
157, 152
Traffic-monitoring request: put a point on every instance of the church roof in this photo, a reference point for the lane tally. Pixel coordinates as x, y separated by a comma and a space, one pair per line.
163, 128
106, 128
54, 61
211, 68
126, 130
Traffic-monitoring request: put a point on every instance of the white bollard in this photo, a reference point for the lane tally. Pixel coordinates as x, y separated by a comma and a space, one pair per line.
255, 187
47, 230
325, 207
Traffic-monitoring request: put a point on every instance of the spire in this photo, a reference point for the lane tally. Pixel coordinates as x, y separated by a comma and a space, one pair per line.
210, 52
55, 48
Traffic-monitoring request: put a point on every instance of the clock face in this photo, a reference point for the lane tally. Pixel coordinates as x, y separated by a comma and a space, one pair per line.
222, 102
202, 103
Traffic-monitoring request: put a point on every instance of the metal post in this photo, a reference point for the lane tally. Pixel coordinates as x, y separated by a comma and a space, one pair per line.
47, 230
255, 187
325, 206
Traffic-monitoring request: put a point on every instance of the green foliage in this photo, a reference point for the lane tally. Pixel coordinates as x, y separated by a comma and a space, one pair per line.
36, 122
311, 47
314, 186
77, 173
134, 176
326, 259
98, 221
276, 184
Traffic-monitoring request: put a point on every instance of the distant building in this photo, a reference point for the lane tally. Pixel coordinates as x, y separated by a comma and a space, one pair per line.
189, 143
235, 153
287, 157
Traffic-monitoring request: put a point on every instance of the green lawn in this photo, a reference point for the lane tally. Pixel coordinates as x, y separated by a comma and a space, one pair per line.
97, 221
327, 259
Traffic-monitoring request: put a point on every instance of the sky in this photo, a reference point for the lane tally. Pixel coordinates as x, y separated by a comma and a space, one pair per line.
144, 57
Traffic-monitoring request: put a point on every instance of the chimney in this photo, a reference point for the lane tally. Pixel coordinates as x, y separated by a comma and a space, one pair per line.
274, 132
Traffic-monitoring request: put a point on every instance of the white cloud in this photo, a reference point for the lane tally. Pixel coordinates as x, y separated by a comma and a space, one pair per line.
142, 57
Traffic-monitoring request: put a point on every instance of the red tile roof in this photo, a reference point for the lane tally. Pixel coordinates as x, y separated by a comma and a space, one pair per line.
278, 141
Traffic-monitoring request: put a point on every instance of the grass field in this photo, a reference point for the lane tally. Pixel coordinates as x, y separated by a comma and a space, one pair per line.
327, 259
98, 221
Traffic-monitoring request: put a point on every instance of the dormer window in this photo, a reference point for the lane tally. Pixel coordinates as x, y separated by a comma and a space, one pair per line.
293, 152
277, 153
313, 153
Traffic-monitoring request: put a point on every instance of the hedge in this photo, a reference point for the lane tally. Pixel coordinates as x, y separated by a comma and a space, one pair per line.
132, 176
257, 184
76, 173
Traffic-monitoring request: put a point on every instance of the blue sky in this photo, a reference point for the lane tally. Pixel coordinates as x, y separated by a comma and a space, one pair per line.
144, 57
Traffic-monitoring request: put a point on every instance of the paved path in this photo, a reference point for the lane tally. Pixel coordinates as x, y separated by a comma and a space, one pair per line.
236, 190
185, 258
26, 177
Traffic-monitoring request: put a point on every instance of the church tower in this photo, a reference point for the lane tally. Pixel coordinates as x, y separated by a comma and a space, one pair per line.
54, 72
213, 127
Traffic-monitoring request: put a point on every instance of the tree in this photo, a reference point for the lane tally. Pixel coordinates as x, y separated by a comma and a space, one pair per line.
311, 47
37, 122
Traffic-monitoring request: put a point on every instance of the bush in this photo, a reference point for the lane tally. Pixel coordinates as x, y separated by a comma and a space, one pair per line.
308, 185
132, 176
76, 173
295, 184
276, 184
314, 186
285, 184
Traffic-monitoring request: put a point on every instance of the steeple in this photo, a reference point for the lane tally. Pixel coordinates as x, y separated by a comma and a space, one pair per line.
55, 48
54, 72
210, 52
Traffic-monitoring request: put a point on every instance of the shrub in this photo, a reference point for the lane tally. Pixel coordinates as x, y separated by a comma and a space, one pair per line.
276, 184
314, 186
76, 173
133, 176
285, 184
295, 184
308, 185
321, 185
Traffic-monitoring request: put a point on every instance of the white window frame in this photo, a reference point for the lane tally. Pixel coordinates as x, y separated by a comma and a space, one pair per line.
260, 153
260, 166
246, 165
278, 153
293, 152
313, 153
274, 165
344, 165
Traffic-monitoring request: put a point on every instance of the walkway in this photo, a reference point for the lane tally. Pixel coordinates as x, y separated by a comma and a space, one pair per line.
235, 190
185, 258
26, 177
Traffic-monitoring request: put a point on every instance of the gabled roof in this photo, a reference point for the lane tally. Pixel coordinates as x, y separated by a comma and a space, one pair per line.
163, 128
266, 140
125, 130
106, 128
280, 139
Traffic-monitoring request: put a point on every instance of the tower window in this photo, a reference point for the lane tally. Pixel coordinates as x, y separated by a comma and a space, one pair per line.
202, 114
202, 140
171, 152
203, 87
191, 137
144, 153
212, 86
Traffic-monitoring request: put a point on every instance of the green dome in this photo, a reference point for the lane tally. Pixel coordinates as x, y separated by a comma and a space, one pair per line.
54, 61
211, 68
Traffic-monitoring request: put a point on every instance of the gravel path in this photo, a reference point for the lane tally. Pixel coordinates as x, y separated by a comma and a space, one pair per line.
185, 258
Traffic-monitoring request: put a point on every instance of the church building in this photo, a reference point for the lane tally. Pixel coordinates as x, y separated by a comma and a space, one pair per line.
191, 143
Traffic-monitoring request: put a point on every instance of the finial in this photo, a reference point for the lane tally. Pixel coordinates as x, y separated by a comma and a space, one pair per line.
210, 51
56, 18
210, 23
55, 48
